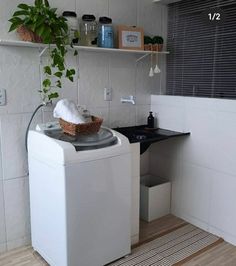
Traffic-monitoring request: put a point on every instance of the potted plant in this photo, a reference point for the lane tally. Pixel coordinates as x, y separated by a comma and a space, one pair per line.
40, 23
147, 43
157, 42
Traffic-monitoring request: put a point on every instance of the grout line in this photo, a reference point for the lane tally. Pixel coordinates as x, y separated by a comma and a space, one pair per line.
14, 178
137, 14
78, 78
110, 86
3, 191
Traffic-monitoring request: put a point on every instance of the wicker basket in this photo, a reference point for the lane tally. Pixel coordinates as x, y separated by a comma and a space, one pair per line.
27, 35
86, 128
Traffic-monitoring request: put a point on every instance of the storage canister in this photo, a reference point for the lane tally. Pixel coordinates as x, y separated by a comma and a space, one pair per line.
73, 25
105, 33
88, 31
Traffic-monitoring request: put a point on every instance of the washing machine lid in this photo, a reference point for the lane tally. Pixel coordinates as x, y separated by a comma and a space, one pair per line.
104, 138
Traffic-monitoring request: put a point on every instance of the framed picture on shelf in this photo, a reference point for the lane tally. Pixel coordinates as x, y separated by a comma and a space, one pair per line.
130, 38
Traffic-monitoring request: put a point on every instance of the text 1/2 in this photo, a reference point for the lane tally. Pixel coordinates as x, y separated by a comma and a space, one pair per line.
214, 16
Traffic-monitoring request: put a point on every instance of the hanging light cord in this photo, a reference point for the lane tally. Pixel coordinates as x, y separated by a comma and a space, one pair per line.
31, 119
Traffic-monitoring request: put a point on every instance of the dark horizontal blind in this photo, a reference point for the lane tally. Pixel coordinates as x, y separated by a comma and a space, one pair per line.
202, 60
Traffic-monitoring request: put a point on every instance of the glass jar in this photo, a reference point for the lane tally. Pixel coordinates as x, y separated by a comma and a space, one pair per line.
73, 26
88, 31
105, 33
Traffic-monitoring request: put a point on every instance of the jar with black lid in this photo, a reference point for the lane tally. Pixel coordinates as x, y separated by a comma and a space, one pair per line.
73, 26
105, 33
88, 31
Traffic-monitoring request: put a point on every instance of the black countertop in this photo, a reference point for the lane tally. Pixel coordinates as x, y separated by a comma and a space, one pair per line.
146, 136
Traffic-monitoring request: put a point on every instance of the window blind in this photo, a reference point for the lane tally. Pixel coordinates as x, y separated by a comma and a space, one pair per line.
202, 60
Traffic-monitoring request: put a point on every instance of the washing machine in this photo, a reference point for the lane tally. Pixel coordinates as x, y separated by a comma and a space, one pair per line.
80, 196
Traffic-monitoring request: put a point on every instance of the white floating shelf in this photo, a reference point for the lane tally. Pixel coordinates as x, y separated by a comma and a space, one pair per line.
79, 48
165, 2
115, 50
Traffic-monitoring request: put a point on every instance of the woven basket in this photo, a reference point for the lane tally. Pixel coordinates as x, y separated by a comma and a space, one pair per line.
86, 128
27, 35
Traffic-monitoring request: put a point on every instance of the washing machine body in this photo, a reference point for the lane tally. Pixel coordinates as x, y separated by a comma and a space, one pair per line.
80, 197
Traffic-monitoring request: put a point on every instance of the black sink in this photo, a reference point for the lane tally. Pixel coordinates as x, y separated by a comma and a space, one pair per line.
146, 136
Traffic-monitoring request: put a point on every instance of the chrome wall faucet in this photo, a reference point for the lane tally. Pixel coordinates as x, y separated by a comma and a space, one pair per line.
128, 99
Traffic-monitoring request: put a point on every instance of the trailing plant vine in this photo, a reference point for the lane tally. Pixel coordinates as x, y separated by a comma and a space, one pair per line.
43, 21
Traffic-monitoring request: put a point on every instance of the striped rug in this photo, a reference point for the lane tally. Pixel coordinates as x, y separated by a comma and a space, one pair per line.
174, 248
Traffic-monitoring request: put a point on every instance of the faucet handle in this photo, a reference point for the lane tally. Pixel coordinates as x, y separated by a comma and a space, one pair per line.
128, 99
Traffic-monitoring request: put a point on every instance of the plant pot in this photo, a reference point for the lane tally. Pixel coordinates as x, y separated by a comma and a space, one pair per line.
159, 47
27, 35
155, 47
148, 47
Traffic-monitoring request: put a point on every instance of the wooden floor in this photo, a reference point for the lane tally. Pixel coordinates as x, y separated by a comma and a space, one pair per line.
158, 227
222, 255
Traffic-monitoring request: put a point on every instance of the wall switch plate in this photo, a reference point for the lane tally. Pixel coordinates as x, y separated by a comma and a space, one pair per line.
2, 97
107, 94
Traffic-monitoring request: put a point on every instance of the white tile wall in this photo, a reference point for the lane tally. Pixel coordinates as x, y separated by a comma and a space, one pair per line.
223, 195
2, 220
142, 112
14, 157
16, 192
202, 166
20, 76
5, 13
196, 200
22, 93
122, 116
153, 17
101, 112
93, 79
123, 12
145, 86
122, 77
97, 7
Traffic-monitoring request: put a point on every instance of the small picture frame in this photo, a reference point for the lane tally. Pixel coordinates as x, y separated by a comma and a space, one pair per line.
130, 38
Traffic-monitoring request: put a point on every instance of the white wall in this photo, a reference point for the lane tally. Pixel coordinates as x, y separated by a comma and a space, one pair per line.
202, 167
19, 75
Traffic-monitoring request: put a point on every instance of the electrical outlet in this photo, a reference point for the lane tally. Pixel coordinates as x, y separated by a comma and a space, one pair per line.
2, 97
107, 94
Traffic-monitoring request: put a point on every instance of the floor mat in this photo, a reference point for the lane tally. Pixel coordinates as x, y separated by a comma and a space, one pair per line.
174, 248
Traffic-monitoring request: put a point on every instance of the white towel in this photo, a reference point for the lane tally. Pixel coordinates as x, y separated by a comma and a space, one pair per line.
68, 111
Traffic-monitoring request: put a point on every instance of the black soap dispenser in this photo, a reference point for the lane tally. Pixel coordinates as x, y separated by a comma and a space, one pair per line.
150, 120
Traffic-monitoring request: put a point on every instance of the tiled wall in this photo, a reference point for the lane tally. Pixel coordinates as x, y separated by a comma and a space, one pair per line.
19, 75
120, 71
202, 167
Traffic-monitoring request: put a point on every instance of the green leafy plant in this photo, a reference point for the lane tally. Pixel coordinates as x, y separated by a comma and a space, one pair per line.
147, 40
50, 28
157, 40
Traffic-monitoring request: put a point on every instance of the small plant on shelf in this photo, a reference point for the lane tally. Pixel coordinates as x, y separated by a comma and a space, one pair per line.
157, 42
147, 43
40, 23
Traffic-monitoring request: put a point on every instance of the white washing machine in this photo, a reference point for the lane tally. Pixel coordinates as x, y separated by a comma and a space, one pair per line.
80, 196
